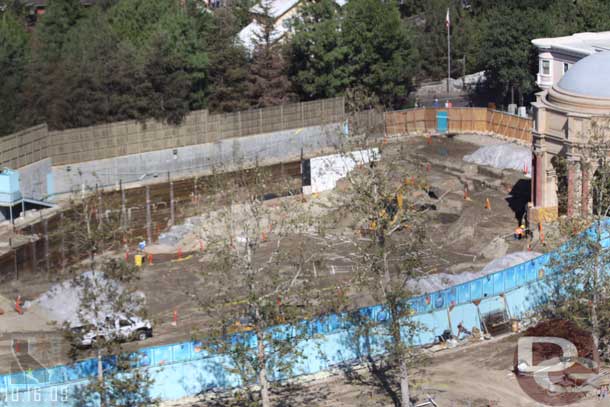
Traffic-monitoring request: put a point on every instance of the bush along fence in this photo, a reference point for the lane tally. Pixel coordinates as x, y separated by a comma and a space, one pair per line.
186, 369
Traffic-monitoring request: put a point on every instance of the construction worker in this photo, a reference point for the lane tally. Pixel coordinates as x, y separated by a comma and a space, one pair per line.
18, 304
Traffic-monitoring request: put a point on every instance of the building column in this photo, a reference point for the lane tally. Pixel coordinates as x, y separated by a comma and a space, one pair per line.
574, 187
571, 186
586, 188
539, 177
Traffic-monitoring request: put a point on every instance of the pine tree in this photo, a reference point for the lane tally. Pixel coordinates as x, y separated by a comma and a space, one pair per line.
318, 60
13, 59
228, 68
268, 81
383, 58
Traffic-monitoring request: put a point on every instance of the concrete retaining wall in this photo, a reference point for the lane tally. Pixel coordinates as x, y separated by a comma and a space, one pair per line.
35, 180
239, 152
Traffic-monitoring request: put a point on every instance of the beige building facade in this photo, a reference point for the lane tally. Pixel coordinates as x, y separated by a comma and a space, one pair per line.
557, 55
563, 113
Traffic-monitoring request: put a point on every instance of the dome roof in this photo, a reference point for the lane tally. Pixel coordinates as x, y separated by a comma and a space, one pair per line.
589, 76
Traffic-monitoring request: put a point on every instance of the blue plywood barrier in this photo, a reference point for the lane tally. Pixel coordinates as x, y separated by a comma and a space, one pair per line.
185, 369
467, 315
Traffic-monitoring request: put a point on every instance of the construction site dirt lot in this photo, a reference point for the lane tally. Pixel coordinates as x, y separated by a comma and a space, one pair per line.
462, 235
474, 375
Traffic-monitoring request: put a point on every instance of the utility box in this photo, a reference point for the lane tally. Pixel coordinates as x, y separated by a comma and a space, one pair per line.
9, 186
442, 122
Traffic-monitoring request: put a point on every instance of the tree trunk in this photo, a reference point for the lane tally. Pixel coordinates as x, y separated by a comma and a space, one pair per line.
100, 366
405, 394
596, 287
262, 373
100, 378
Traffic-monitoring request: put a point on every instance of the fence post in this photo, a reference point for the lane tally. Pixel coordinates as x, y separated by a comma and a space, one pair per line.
45, 225
62, 247
123, 207
239, 123
172, 212
148, 217
260, 120
322, 113
33, 250
302, 114
14, 250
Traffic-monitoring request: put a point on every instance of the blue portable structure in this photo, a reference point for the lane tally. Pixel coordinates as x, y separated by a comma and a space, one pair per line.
12, 202
442, 121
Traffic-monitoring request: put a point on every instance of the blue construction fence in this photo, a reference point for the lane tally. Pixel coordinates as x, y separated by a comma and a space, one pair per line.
186, 369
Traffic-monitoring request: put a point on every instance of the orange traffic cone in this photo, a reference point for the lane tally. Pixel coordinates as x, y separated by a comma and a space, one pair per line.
150, 259
264, 237
487, 204
179, 252
175, 318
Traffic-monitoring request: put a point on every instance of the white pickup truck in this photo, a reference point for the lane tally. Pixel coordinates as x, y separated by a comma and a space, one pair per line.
123, 328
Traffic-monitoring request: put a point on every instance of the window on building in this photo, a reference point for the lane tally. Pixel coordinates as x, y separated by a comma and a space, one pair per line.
566, 66
546, 67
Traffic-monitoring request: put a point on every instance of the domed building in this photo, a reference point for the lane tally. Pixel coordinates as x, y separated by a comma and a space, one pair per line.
563, 115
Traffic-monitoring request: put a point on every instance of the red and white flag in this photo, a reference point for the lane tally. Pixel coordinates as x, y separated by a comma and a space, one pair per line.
447, 20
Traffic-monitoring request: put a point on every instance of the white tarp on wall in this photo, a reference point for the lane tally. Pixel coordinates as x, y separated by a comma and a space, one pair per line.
327, 170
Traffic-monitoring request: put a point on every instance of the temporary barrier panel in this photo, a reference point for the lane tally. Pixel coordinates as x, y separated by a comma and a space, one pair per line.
442, 122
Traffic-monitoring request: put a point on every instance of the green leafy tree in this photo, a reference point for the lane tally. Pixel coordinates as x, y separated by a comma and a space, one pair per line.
263, 267
52, 30
171, 40
14, 49
104, 298
384, 260
318, 61
241, 9
382, 54
507, 55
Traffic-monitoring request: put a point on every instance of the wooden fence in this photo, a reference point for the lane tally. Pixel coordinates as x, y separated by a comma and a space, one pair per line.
25, 147
460, 120
133, 137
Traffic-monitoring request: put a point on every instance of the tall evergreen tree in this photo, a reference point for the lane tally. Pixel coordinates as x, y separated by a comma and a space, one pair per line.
268, 80
52, 30
13, 60
318, 60
507, 55
43, 93
382, 56
228, 68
